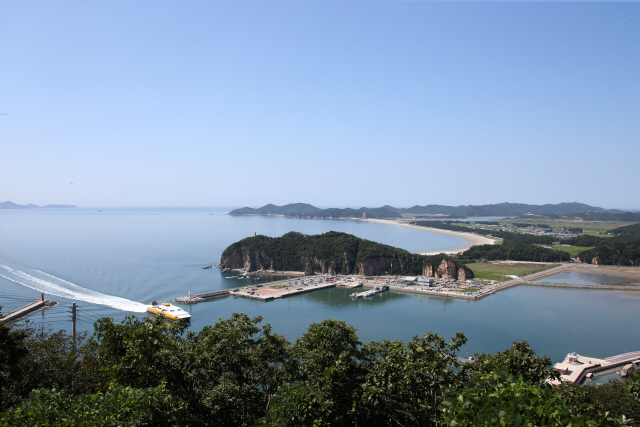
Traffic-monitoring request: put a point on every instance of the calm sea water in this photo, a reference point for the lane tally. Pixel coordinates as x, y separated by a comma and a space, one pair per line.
114, 263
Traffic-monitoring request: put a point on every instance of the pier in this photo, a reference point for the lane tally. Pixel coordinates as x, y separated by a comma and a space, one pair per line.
377, 288
577, 369
27, 309
270, 291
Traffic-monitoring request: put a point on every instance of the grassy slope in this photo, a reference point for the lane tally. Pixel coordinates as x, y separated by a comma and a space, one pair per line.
485, 270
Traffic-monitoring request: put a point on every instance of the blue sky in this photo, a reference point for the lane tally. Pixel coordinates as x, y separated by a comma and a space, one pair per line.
334, 103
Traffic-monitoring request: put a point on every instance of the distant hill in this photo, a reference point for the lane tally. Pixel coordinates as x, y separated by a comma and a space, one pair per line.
506, 209
633, 230
270, 209
304, 210
11, 205
379, 213
606, 216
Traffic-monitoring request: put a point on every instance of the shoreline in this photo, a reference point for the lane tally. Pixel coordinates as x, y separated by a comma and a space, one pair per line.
471, 239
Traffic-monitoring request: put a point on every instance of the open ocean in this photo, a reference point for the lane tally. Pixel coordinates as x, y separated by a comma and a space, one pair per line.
115, 262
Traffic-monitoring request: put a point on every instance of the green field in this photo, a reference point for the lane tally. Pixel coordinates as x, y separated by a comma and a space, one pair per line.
573, 250
486, 271
595, 228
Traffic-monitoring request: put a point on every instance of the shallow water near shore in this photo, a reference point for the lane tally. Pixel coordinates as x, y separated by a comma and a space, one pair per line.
576, 278
113, 263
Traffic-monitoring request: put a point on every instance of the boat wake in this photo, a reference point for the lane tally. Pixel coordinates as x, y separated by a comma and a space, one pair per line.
43, 282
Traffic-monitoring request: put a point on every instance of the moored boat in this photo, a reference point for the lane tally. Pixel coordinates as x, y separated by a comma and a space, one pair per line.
168, 311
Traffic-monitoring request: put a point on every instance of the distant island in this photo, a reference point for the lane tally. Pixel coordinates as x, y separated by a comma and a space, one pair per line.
335, 253
304, 210
11, 205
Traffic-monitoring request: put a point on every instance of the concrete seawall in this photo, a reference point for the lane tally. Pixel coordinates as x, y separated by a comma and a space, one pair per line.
570, 285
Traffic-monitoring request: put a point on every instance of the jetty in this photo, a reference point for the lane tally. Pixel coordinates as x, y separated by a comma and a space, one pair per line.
349, 284
578, 369
27, 309
371, 292
267, 291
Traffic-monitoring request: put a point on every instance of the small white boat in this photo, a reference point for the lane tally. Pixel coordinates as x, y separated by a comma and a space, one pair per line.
169, 311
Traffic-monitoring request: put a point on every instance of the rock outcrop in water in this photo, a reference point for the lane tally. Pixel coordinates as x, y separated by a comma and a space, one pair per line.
448, 269
334, 253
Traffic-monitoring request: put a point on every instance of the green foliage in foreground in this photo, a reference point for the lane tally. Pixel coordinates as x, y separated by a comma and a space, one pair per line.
117, 407
235, 373
502, 399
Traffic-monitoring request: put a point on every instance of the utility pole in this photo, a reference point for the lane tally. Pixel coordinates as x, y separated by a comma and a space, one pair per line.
73, 322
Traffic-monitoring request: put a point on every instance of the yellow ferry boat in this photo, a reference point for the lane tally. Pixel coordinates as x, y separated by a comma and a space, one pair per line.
169, 311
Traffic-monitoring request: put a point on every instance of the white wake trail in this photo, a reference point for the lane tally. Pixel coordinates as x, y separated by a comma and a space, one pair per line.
55, 286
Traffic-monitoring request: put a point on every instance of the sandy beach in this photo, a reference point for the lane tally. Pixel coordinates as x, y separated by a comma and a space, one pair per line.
472, 239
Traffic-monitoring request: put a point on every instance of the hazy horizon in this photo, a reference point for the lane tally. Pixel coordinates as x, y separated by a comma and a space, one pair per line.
337, 103
231, 207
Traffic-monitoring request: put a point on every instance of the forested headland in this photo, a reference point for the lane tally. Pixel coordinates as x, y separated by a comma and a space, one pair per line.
148, 372
620, 250
515, 252
333, 253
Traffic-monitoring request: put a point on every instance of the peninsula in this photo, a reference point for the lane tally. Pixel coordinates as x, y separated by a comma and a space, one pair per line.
11, 205
335, 253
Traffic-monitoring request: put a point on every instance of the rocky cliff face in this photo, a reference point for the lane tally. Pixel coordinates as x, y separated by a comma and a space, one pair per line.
595, 260
322, 266
446, 270
254, 260
379, 266
242, 259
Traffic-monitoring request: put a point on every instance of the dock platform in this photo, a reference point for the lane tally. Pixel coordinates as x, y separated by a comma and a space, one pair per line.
349, 285
266, 291
576, 368
371, 292
271, 292
27, 309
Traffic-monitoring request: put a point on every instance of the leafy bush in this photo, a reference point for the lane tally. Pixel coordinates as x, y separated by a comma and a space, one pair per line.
126, 407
